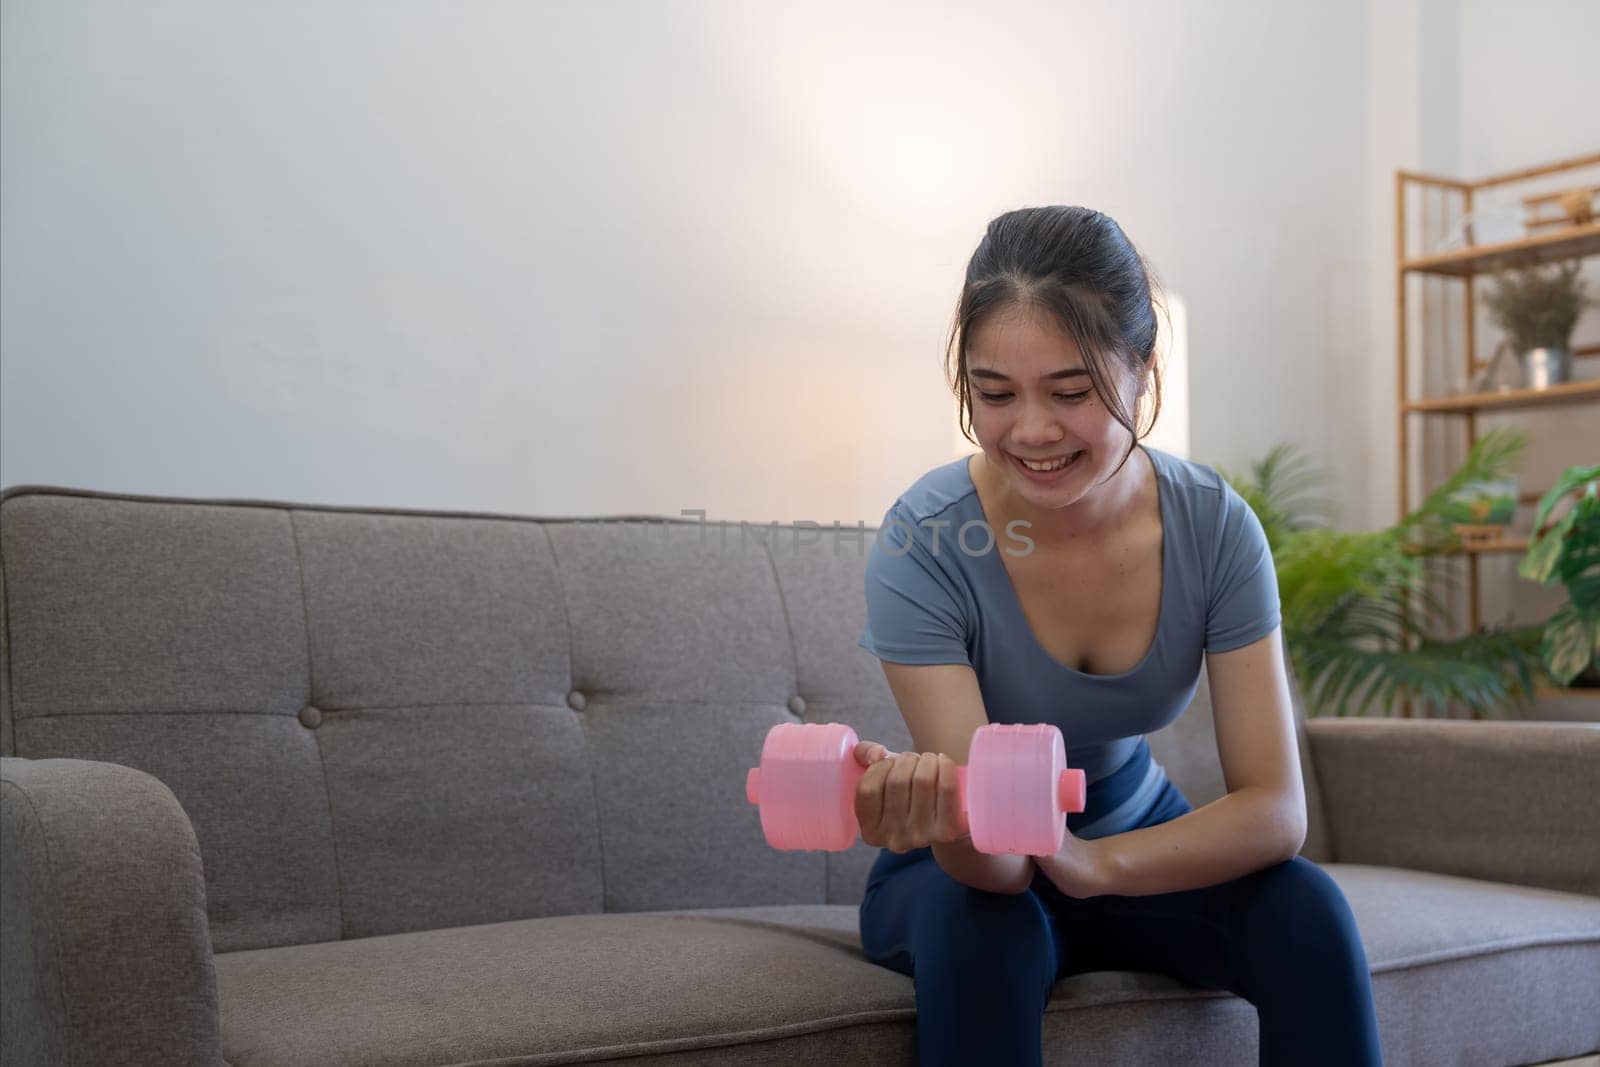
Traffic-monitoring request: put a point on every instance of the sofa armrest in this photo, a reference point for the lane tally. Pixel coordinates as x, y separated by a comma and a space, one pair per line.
105, 953
1501, 801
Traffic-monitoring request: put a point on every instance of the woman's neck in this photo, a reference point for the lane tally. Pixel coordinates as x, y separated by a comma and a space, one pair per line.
1103, 510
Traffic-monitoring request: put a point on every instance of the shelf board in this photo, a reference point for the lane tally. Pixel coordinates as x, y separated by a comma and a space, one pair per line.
1565, 243
1480, 548
1499, 544
1570, 693
1565, 393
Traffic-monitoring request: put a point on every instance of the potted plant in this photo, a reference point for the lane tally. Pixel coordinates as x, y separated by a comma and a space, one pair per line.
1569, 552
1481, 511
1361, 627
1536, 308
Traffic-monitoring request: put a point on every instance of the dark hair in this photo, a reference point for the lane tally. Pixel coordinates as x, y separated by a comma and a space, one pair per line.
1077, 266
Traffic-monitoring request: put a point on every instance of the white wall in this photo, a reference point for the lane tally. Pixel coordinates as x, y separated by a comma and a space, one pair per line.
635, 257
1529, 82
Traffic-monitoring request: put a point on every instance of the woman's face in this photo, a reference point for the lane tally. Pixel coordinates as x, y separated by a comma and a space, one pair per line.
1033, 399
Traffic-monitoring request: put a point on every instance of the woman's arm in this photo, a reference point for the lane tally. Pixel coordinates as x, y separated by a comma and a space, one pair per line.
943, 707
1262, 819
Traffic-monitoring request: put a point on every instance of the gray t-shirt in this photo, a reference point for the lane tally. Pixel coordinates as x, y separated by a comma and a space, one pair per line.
938, 592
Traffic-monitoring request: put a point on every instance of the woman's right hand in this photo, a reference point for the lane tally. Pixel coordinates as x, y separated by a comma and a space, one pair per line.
908, 800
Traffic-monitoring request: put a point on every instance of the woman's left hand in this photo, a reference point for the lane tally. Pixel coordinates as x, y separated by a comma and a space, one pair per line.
1079, 868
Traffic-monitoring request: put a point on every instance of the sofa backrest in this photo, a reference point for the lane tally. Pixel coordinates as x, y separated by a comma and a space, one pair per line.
383, 720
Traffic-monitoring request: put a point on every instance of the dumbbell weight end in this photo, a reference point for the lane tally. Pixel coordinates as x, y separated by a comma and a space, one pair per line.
1071, 790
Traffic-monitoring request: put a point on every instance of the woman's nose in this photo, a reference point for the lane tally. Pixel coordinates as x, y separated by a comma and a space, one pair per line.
1037, 424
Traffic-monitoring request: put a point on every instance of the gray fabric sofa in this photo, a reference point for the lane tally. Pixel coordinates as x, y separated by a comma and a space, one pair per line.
290, 784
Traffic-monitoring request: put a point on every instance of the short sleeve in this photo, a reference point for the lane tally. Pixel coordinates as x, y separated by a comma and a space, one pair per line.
1242, 595
914, 609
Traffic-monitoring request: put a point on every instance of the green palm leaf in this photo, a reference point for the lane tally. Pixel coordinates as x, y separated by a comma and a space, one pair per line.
1285, 490
1483, 672
1360, 617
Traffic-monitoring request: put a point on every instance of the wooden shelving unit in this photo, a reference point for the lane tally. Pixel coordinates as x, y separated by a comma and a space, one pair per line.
1544, 245
1571, 243
1565, 393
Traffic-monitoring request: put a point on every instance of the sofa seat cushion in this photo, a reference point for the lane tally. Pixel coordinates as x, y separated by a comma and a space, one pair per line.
789, 984
1468, 971
560, 989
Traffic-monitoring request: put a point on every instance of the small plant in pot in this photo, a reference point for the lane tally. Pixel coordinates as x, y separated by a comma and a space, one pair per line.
1569, 552
1536, 308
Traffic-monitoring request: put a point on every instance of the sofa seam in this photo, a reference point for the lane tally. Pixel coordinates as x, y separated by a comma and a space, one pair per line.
788, 623
70, 492
1492, 948
566, 611
620, 701
726, 1039
322, 763
1316, 771
583, 732
794, 655
8, 714
55, 933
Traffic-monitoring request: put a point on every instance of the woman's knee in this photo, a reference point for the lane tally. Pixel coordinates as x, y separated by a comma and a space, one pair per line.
991, 936
1298, 903
922, 914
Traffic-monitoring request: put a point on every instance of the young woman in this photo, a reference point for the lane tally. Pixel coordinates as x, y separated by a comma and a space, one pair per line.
1068, 574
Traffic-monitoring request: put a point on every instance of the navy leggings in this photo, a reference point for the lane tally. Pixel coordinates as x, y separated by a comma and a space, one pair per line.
984, 963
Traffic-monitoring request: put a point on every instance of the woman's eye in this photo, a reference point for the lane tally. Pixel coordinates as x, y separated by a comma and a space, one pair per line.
999, 398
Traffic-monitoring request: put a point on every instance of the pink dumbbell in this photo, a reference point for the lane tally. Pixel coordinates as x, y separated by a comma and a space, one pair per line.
1016, 791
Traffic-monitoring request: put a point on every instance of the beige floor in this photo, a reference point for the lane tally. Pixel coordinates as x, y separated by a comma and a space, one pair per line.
1581, 1061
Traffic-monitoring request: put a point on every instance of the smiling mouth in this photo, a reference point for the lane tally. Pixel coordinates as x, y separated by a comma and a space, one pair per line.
1048, 467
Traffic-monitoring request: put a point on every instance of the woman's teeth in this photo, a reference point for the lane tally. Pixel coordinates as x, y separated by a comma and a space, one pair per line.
1051, 465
